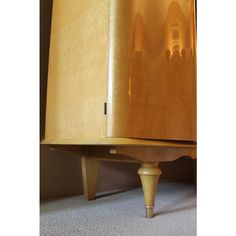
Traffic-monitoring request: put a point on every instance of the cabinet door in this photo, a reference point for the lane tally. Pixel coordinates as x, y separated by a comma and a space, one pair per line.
152, 69
77, 70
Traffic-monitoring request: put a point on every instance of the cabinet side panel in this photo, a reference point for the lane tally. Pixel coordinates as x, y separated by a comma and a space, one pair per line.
77, 75
152, 69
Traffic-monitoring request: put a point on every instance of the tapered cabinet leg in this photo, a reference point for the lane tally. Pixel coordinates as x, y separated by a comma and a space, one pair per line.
89, 174
149, 174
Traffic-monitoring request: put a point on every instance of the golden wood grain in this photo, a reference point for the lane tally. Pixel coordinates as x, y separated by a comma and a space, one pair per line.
152, 70
141, 153
89, 173
118, 141
149, 174
77, 73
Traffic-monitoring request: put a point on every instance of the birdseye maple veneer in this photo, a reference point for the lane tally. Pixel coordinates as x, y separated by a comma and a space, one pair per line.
122, 85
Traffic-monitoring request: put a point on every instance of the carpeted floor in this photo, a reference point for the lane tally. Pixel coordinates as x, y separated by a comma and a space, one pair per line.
122, 214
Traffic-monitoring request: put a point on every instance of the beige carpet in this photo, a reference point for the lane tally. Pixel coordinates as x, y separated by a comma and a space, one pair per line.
122, 214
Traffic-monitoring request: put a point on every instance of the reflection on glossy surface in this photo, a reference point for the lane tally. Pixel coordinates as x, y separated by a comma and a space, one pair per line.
152, 69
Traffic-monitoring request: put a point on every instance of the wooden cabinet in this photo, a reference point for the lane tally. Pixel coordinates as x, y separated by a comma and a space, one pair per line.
122, 84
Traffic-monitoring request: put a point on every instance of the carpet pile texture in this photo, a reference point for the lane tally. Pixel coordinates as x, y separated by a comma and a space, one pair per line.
122, 214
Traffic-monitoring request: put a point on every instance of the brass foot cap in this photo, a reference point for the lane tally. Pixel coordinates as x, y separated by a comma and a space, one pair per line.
149, 211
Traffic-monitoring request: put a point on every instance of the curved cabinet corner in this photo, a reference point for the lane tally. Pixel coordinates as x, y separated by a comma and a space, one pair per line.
152, 70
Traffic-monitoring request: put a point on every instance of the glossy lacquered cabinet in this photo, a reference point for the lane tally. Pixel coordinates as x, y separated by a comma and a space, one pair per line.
122, 84
152, 70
